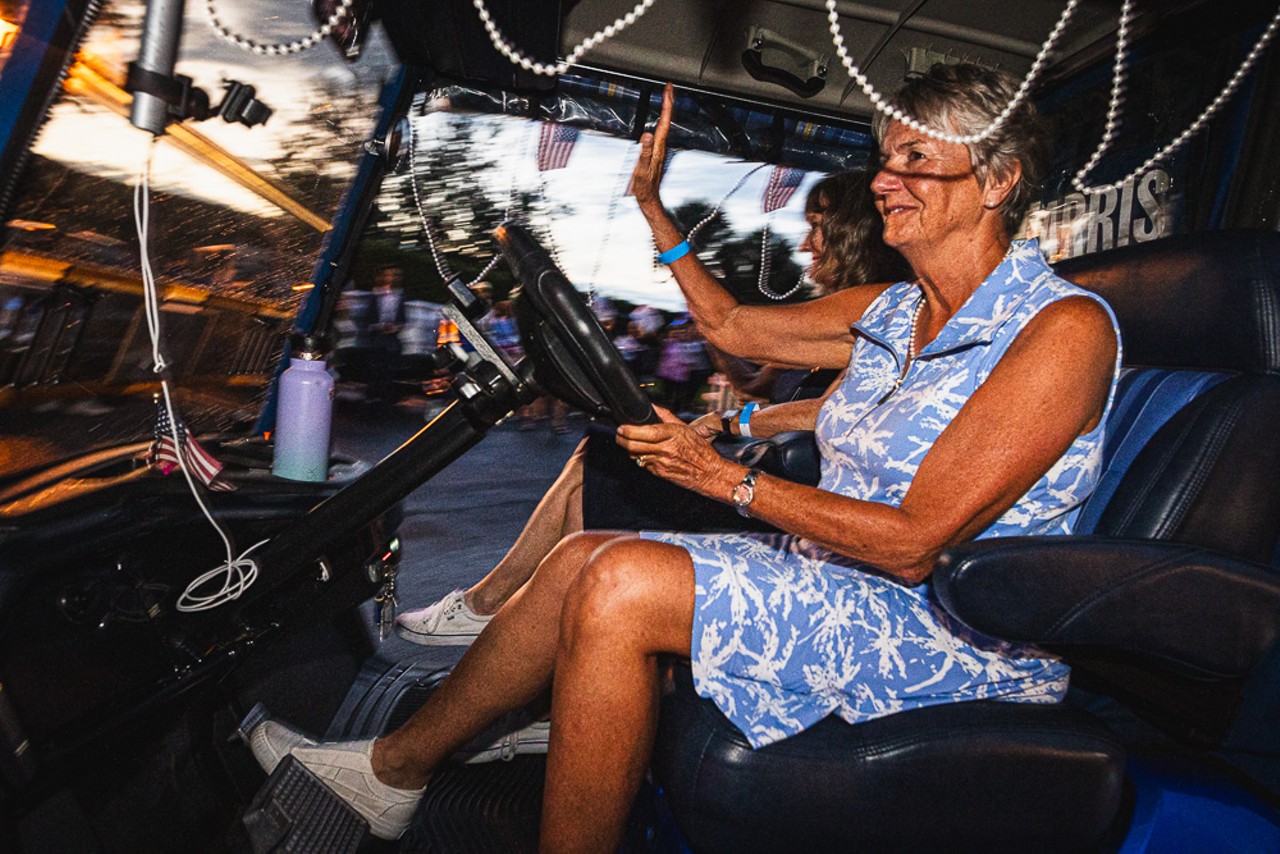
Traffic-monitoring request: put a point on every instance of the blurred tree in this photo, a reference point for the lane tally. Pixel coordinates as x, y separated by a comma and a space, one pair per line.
319, 155
454, 160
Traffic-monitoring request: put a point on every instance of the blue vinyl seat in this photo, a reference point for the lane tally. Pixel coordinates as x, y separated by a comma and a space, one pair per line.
1166, 603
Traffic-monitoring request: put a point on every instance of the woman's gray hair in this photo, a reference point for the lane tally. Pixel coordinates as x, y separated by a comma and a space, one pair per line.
963, 99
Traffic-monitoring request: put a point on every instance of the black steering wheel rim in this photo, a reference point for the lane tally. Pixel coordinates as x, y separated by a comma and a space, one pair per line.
572, 355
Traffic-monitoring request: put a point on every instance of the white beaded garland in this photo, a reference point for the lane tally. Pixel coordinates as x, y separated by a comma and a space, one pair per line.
898, 115
442, 267
766, 268
282, 49
515, 56
1117, 96
693, 232
901, 117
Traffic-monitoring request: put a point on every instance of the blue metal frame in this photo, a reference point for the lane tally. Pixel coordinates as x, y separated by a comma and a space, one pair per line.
44, 48
339, 247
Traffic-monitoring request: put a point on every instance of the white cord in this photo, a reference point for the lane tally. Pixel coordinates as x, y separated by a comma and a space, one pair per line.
281, 49
512, 53
237, 576
150, 298
1117, 93
238, 572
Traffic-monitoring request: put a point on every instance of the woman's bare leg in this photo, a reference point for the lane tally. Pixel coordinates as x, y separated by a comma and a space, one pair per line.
633, 601
509, 665
557, 515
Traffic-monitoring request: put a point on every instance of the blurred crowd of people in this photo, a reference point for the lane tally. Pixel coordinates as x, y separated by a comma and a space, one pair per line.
378, 332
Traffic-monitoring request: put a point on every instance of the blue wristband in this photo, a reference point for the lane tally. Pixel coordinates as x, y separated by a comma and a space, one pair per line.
744, 419
675, 253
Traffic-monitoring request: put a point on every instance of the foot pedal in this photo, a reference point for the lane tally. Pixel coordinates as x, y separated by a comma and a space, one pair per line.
295, 812
256, 715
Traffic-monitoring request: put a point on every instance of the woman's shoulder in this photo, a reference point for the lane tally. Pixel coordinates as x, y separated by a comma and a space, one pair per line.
862, 301
1067, 297
1060, 310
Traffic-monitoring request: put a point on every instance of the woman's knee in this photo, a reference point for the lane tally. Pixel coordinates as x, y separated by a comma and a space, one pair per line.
629, 586
567, 558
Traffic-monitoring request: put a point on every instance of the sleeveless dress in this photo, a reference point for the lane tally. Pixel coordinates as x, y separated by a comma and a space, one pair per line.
787, 632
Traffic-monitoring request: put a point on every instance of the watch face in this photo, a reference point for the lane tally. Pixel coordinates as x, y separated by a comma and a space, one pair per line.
742, 494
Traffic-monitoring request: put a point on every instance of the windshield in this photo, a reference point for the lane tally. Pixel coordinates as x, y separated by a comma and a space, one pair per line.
237, 215
471, 159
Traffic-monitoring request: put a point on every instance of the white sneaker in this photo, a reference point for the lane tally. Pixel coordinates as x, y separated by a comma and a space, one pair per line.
271, 741
346, 769
448, 622
533, 738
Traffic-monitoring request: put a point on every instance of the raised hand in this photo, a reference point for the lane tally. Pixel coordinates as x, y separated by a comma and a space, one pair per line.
647, 177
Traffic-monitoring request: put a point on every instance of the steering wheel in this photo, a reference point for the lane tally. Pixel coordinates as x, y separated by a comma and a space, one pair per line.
573, 358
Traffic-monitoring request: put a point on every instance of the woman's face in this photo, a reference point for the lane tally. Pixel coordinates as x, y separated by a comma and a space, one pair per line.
815, 242
925, 190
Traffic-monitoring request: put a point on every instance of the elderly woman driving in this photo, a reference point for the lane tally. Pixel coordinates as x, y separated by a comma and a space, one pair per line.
971, 406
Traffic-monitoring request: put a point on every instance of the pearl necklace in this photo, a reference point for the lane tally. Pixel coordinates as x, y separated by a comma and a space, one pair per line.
281, 49
915, 328
911, 353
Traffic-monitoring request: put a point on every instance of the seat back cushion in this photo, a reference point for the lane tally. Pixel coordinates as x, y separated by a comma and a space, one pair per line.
1204, 472
1206, 301
1145, 401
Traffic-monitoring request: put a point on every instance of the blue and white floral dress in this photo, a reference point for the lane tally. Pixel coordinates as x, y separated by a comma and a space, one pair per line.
786, 632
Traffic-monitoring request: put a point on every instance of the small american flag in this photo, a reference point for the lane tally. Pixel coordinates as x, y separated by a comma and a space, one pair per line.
555, 145
782, 185
189, 454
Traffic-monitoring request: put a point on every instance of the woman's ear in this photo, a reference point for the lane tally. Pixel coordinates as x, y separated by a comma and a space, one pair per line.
1000, 184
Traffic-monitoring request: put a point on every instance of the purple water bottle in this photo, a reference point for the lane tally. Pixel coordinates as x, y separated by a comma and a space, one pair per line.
304, 415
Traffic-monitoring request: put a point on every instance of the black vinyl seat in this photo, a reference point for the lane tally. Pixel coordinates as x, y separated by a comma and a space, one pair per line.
1166, 604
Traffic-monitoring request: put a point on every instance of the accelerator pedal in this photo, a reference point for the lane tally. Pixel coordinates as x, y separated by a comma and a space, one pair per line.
295, 812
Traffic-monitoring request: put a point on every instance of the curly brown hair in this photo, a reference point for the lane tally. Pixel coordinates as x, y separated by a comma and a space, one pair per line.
853, 230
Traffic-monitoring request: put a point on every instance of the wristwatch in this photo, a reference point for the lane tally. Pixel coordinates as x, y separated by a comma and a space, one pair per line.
745, 492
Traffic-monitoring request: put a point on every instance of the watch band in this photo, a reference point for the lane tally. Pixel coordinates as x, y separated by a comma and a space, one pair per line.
726, 421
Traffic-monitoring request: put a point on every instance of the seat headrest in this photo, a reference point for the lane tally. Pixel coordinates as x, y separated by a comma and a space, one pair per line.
1207, 301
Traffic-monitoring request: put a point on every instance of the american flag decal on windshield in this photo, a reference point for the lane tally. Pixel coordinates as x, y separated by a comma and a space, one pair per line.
782, 185
554, 146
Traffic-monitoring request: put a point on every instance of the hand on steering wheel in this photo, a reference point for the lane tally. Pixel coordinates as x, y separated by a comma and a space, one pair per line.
674, 451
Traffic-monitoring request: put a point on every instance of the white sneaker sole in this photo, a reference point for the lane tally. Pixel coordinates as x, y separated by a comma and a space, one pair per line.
423, 639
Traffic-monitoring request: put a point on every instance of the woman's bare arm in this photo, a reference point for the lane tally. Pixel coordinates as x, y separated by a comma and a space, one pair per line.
772, 420
1050, 387
811, 334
